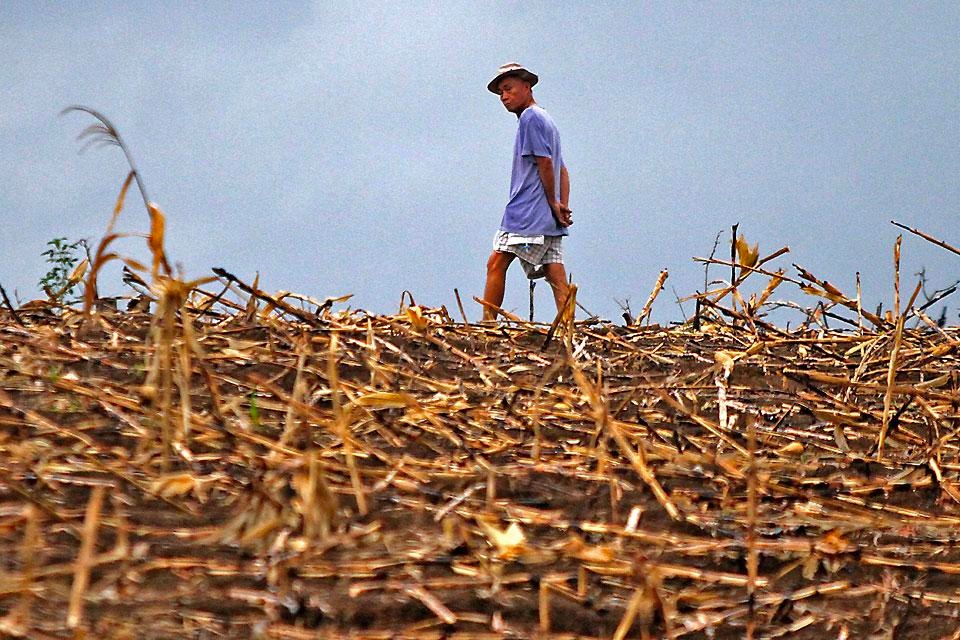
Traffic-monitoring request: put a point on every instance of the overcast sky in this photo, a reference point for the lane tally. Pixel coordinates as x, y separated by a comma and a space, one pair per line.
353, 147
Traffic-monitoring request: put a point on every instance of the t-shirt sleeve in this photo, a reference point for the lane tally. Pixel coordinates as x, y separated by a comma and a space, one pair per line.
534, 138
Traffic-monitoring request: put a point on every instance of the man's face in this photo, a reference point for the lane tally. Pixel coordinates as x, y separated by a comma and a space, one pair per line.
515, 94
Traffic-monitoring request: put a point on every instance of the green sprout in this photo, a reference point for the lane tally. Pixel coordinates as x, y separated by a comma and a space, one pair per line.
61, 257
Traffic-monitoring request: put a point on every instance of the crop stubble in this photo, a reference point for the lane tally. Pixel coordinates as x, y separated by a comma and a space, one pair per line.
383, 476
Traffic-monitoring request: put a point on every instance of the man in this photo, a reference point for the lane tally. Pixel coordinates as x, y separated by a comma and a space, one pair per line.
537, 214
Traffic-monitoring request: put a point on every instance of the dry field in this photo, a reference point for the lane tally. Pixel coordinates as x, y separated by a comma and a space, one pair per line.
231, 470
228, 463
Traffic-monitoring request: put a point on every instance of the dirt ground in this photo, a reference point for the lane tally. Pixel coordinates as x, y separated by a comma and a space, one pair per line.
381, 477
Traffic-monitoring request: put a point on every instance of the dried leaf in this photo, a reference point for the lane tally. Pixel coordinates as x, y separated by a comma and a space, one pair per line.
77, 274
575, 547
725, 362
385, 400
155, 240
416, 318
175, 484
793, 449
134, 264
833, 542
508, 542
747, 255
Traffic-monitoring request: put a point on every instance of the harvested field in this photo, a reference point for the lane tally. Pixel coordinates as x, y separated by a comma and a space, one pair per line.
236, 464
247, 468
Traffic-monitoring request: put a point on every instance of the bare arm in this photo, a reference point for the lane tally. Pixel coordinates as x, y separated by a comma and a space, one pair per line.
548, 179
564, 186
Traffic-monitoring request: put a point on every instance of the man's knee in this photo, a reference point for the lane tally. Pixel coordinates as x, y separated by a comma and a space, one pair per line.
555, 274
498, 262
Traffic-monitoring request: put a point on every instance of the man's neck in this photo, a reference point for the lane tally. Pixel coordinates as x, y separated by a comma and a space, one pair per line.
519, 113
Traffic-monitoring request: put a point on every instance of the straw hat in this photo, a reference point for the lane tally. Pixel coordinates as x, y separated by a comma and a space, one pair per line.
512, 69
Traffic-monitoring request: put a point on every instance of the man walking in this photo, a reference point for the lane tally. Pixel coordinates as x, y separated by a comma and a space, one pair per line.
537, 214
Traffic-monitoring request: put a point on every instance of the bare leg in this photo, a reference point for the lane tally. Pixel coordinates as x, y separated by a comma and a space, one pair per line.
557, 277
496, 281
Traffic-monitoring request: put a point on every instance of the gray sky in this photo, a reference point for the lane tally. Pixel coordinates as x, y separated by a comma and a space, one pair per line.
353, 148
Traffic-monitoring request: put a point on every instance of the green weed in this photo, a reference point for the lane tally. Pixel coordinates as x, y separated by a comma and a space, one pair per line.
61, 257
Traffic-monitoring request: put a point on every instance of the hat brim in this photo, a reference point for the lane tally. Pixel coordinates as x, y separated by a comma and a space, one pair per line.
523, 74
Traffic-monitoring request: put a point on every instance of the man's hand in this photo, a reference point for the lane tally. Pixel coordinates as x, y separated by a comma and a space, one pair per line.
562, 213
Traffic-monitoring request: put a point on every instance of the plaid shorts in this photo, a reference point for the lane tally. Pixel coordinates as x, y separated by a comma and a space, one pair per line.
532, 256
